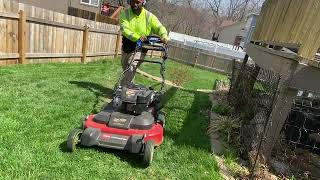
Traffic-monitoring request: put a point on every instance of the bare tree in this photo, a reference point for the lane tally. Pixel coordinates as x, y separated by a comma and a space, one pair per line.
215, 6
255, 6
200, 17
234, 10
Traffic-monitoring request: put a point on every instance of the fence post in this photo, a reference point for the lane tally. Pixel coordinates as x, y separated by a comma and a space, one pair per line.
196, 58
174, 52
22, 37
85, 43
117, 44
95, 17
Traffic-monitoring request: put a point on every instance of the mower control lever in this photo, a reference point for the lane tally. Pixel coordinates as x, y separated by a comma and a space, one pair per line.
152, 43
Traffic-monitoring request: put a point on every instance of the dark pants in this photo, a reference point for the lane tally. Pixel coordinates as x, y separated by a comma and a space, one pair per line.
126, 60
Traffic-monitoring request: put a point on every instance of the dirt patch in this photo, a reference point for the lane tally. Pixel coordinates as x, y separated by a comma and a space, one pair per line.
180, 76
167, 82
301, 163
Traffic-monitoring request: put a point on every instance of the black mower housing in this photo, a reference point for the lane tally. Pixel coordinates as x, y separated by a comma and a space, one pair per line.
93, 137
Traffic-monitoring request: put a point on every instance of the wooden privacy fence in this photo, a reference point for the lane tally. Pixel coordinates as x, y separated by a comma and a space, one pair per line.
33, 35
94, 16
290, 23
200, 58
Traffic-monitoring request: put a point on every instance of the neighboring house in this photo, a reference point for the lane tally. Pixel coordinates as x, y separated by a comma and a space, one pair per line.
231, 32
63, 5
87, 9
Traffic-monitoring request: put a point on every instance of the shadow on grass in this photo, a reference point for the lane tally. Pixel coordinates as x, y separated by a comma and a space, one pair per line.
63, 147
97, 89
135, 160
193, 131
168, 94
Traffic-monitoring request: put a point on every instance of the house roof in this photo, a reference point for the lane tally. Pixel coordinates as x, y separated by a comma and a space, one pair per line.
242, 23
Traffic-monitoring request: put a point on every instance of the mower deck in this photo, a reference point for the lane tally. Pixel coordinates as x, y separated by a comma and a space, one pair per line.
99, 134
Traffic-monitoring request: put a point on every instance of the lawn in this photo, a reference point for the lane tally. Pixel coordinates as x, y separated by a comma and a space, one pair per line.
41, 103
198, 79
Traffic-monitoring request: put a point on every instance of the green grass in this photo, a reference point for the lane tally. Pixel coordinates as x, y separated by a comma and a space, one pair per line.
200, 79
41, 103
231, 162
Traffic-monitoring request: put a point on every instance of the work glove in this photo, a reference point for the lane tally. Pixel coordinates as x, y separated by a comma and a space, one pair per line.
165, 40
143, 38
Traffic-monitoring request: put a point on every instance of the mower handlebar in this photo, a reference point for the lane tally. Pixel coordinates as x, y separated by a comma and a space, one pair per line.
153, 43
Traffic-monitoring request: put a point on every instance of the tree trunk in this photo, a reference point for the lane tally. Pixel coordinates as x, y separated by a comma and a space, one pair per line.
240, 94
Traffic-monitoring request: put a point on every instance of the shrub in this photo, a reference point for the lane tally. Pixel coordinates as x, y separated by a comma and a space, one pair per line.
180, 76
222, 109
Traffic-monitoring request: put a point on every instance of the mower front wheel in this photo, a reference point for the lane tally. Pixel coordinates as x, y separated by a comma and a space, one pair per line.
73, 139
148, 153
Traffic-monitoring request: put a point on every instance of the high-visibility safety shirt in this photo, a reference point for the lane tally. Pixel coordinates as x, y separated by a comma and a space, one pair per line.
134, 26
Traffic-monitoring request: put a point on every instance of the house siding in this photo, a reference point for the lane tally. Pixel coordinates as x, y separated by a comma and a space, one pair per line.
228, 34
60, 5
77, 4
56, 5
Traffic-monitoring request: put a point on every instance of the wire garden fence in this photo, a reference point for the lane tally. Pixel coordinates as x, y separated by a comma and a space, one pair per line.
297, 150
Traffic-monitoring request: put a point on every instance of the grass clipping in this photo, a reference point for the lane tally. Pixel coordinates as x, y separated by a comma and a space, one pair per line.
180, 76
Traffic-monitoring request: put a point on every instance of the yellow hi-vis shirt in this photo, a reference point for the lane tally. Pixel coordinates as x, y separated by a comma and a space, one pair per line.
134, 26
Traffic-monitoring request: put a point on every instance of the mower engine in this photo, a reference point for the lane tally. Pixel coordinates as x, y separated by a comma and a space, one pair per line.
134, 99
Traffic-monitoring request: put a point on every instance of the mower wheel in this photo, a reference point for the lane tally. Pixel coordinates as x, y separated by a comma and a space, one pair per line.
148, 153
162, 118
73, 139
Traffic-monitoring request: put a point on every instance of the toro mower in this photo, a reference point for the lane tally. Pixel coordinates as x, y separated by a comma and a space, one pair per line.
133, 120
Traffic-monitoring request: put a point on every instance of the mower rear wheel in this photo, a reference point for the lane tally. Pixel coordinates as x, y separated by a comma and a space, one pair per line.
148, 153
162, 118
73, 139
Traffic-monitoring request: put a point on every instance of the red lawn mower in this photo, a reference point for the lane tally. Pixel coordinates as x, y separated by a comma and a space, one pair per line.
133, 120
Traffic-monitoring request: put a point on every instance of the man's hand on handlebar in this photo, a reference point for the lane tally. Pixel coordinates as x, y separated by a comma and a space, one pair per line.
165, 40
143, 38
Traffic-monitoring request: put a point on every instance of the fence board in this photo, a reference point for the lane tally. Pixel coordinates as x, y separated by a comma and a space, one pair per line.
8, 30
30, 12
1, 6
14, 36
291, 22
3, 35
51, 33
205, 60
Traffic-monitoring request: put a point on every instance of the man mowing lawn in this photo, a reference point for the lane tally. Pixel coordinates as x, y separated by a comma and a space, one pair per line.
137, 23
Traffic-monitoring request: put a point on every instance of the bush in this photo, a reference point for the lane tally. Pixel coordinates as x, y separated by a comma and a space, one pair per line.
222, 109
226, 126
180, 76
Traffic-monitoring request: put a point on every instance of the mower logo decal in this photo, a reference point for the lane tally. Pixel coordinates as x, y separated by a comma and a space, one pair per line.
105, 137
116, 120
130, 92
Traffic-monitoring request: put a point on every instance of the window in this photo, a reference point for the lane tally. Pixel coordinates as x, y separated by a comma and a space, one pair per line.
90, 2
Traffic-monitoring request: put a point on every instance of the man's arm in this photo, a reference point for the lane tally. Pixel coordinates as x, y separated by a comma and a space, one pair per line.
125, 27
158, 28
